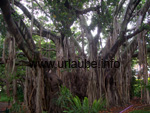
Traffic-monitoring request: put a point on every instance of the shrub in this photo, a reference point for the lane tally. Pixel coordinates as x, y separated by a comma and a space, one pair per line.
72, 104
20, 95
138, 84
132, 90
17, 108
4, 97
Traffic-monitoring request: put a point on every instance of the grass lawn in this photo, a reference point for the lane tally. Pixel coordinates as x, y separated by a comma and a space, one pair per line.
4, 98
145, 109
140, 111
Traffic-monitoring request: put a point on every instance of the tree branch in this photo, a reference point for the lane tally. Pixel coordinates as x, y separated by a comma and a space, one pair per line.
42, 9
135, 33
46, 33
23, 30
17, 63
128, 14
121, 38
85, 27
35, 22
120, 41
84, 11
76, 44
118, 8
6, 10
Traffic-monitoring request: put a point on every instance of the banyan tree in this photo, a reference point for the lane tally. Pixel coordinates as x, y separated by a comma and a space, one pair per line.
67, 28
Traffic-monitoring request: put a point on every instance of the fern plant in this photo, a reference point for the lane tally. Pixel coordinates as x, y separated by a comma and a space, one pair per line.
85, 105
72, 104
98, 105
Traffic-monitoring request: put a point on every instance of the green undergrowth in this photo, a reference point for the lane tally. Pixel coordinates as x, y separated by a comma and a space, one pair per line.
136, 86
140, 111
17, 108
4, 97
72, 104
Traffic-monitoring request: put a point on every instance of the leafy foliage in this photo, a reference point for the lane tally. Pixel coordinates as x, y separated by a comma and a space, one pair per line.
137, 85
20, 95
72, 104
4, 97
2, 27
17, 108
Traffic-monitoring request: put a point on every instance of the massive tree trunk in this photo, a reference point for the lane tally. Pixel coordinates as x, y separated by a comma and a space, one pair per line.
41, 88
143, 67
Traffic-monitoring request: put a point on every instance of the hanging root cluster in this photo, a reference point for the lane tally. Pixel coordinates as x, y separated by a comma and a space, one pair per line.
8, 57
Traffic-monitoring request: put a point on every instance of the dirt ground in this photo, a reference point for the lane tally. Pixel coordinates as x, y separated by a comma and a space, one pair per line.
3, 106
135, 104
